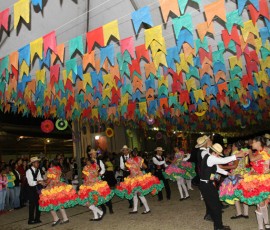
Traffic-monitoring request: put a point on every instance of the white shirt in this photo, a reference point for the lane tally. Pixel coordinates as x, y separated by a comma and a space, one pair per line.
30, 178
204, 152
122, 164
156, 162
213, 160
102, 167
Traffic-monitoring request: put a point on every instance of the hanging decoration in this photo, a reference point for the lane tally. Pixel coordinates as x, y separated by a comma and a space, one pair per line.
61, 124
192, 85
47, 126
109, 132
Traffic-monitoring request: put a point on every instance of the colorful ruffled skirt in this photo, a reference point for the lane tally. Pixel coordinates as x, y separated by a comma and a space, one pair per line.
228, 187
56, 197
253, 188
185, 170
144, 184
189, 167
97, 193
172, 172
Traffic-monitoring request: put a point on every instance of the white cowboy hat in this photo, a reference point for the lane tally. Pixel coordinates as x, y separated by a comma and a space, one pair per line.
267, 136
33, 159
217, 148
159, 149
201, 141
125, 147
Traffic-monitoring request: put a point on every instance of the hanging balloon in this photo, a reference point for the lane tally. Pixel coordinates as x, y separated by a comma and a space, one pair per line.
158, 135
129, 133
150, 120
109, 132
47, 126
61, 124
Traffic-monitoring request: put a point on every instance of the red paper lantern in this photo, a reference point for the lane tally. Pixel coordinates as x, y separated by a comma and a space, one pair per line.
47, 126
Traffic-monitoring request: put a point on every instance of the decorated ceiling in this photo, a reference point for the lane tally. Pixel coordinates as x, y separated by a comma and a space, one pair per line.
205, 66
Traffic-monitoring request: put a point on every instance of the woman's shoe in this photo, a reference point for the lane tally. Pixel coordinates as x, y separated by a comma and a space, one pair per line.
133, 212
267, 226
237, 217
64, 222
246, 217
146, 212
56, 222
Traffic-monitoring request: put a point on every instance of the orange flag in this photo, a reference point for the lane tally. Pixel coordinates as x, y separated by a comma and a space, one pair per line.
215, 9
168, 6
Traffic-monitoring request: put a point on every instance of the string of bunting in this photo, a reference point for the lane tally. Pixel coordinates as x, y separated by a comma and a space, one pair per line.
191, 85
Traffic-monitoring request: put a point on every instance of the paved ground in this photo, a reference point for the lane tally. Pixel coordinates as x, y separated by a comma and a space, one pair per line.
165, 215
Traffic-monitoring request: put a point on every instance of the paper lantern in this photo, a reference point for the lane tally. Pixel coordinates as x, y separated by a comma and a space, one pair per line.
109, 132
61, 124
47, 126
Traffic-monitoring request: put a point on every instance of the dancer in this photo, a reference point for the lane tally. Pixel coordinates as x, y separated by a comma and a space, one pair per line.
123, 159
177, 171
94, 192
35, 182
57, 195
229, 185
255, 187
203, 144
102, 170
209, 168
160, 165
138, 184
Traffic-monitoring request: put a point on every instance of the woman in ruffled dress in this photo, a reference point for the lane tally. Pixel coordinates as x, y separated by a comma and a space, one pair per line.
57, 195
254, 189
179, 170
138, 184
94, 191
229, 185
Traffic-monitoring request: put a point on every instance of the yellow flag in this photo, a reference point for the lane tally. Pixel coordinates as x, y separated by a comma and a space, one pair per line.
87, 80
124, 99
235, 61
65, 76
198, 94
143, 107
95, 113
21, 10
160, 58
191, 84
36, 47
249, 27
156, 46
163, 81
106, 92
265, 63
111, 29
154, 33
41, 76
24, 69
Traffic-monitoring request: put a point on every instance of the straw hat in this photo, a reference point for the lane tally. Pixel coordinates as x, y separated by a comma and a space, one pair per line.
267, 136
125, 147
217, 148
33, 159
159, 149
201, 141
